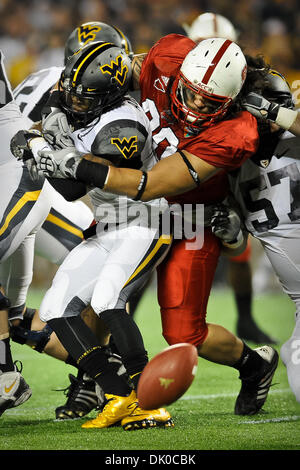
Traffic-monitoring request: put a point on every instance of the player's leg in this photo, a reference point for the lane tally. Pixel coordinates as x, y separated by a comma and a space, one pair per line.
81, 393
63, 229
286, 261
134, 253
183, 309
240, 279
13, 388
70, 293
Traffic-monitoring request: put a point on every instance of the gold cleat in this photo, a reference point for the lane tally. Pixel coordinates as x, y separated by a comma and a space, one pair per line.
114, 411
142, 419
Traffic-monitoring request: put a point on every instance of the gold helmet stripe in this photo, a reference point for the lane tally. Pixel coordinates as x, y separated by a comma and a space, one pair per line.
86, 58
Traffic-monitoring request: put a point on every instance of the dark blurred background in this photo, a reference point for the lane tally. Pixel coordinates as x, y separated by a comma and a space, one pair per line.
33, 32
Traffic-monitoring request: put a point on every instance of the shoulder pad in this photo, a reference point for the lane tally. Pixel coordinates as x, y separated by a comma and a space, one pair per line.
120, 140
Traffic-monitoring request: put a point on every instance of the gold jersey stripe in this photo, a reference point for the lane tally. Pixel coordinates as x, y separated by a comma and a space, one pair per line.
27, 197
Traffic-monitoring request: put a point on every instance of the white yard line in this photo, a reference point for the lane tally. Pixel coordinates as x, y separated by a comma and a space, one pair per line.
226, 395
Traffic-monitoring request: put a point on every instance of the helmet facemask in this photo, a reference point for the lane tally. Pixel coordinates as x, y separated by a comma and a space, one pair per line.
83, 106
210, 79
195, 107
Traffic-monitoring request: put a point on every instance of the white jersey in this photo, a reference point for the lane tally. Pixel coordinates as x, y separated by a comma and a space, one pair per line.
107, 268
32, 94
123, 136
62, 230
268, 193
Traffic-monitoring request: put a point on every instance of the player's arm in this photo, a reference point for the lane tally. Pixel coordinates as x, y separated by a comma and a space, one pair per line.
136, 70
295, 127
173, 175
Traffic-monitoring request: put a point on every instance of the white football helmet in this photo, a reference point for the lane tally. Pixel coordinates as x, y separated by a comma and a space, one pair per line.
211, 25
209, 80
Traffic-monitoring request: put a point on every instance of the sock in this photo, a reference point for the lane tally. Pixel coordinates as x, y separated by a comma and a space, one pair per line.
6, 361
83, 346
249, 363
128, 340
71, 361
243, 302
105, 375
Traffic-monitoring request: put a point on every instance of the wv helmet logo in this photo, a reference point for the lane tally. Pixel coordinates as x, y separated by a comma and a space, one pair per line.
127, 147
116, 69
87, 33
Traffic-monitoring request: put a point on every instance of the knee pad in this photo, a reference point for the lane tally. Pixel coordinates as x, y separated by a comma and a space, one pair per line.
37, 339
16, 313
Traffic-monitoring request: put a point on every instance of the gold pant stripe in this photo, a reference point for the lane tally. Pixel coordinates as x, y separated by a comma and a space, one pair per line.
163, 240
64, 225
27, 197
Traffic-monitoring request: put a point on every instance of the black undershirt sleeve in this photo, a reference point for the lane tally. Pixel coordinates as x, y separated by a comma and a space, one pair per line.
71, 190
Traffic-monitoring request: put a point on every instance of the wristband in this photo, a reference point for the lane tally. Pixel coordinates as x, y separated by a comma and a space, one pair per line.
236, 243
286, 117
141, 186
91, 173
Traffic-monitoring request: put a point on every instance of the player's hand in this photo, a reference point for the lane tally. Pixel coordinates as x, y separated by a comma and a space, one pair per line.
225, 223
56, 129
25, 146
59, 163
21, 143
260, 107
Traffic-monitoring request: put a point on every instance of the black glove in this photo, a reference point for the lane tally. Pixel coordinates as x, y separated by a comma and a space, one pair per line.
225, 223
260, 107
20, 144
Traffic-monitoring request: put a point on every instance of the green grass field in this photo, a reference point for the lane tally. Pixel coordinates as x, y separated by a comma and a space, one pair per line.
203, 417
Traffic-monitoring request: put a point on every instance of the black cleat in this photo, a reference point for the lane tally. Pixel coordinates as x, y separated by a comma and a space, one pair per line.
249, 331
254, 390
82, 398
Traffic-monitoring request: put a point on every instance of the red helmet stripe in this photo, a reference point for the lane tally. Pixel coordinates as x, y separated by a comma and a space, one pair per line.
215, 61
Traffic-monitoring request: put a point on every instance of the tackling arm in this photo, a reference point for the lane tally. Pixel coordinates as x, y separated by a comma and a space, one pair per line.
169, 177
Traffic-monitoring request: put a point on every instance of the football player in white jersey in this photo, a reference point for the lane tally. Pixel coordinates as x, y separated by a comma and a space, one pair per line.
61, 231
127, 243
24, 206
266, 188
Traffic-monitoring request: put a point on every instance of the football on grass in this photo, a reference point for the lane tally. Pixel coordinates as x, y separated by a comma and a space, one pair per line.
167, 376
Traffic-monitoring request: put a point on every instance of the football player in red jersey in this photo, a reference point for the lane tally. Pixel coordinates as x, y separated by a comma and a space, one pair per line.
191, 95
208, 25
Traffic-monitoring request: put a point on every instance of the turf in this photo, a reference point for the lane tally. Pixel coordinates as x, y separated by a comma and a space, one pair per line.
203, 417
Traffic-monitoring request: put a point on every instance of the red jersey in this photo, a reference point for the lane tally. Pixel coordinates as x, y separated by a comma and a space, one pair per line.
226, 144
